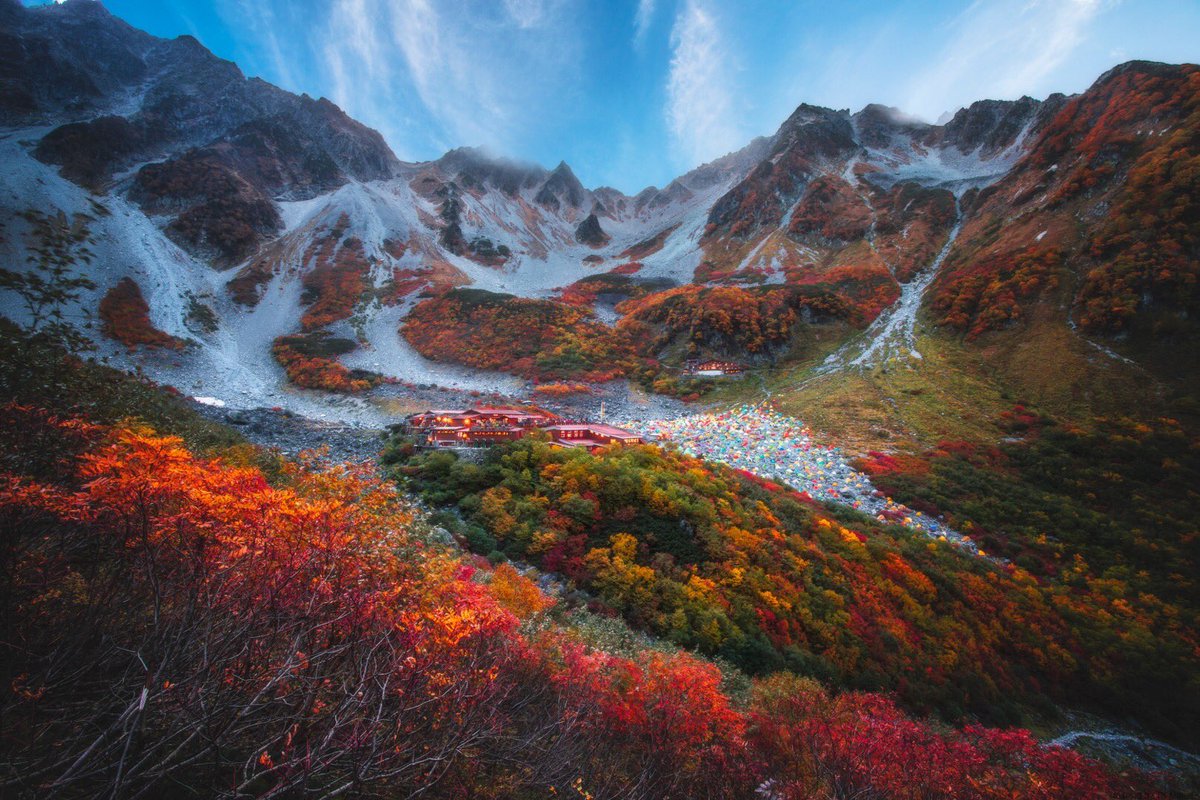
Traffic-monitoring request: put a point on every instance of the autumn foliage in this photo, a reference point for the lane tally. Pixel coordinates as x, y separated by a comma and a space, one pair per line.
219, 211
310, 361
229, 632
615, 285
762, 198
1111, 183
177, 623
125, 316
862, 745
562, 389
1148, 253
990, 293
628, 268
726, 319
537, 339
830, 209
647, 247
337, 280
759, 575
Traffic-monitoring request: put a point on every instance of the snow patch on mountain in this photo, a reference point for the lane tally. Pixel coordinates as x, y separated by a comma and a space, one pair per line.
942, 166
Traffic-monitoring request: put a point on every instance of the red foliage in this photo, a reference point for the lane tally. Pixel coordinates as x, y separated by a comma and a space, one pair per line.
405, 282
867, 288
306, 637
1104, 121
1149, 251
912, 224
1116, 177
659, 719
976, 295
538, 339
307, 628
337, 281
878, 464
222, 213
310, 365
244, 286
395, 248
125, 316
648, 247
725, 318
761, 199
585, 292
862, 745
831, 210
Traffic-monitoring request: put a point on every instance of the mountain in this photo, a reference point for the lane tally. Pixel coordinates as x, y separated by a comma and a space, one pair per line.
1100, 217
951, 480
244, 214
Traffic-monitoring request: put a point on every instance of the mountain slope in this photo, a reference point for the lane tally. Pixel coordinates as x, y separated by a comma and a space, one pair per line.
264, 215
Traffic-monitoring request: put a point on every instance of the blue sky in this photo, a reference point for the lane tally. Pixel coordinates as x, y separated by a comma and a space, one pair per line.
635, 92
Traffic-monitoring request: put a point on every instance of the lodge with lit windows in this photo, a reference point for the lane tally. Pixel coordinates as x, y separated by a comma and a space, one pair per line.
713, 369
486, 425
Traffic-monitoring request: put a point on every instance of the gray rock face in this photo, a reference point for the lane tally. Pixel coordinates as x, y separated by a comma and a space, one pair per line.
478, 170
561, 189
808, 141
991, 126
590, 233
132, 97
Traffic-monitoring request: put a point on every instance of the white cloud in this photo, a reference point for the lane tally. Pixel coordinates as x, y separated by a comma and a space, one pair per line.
468, 72
700, 109
999, 49
642, 19
527, 13
264, 27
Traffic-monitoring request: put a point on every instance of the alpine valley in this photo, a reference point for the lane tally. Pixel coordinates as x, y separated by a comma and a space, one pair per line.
915, 516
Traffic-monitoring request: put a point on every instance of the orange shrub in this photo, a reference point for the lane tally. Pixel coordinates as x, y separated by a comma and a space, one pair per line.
310, 363
125, 316
725, 318
339, 279
537, 339
562, 389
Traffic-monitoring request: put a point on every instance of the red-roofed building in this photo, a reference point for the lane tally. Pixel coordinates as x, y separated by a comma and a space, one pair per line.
441, 417
524, 417
714, 369
590, 435
477, 426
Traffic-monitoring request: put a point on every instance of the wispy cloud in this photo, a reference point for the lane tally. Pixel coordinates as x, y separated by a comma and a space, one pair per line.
551, 79
265, 28
527, 13
998, 49
700, 110
453, 73
642, 19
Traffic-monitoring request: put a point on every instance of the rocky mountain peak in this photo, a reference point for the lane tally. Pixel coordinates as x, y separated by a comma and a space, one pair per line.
1136, 67
590, 233
815, 130
477, 168
877, 124
561, 188
989, 125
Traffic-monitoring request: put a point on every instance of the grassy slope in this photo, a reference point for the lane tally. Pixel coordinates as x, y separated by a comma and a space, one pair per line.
958, 390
